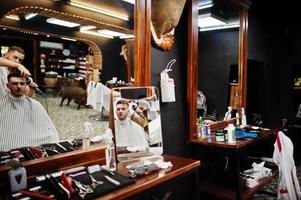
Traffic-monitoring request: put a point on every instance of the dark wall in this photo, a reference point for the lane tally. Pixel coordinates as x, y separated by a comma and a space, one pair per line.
218, 50
268, 44
114, 64
174, 114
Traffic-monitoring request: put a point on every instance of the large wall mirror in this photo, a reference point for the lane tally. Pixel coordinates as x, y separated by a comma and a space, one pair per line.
217, 57
115, 54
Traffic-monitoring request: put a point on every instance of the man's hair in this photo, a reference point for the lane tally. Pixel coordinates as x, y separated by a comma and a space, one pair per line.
14, 74
15, 48
121, 101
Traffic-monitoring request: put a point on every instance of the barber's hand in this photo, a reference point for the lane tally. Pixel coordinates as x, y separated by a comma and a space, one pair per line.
33, 85
24, 72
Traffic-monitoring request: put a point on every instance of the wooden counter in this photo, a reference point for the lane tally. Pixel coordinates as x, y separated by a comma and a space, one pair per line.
180, 167
92, 156
222, 191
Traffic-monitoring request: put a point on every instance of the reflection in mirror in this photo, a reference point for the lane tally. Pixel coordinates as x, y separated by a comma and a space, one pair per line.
218, 59
137, 122
67, 119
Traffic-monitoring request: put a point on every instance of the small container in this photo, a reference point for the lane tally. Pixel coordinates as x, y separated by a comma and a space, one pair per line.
219, 136
207, 129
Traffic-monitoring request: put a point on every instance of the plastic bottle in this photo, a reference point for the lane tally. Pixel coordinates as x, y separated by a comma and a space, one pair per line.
231, 133
87, 134
110, 156
243, 118
208, 129
237, 119
199, 127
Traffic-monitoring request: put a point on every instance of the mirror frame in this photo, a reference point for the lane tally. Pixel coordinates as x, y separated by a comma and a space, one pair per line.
192, 62
141, 52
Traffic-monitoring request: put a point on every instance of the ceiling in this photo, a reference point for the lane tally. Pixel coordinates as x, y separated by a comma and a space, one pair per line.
64, 10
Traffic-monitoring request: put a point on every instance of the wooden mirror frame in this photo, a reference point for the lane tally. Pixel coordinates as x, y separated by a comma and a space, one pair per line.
142, 78
192, 62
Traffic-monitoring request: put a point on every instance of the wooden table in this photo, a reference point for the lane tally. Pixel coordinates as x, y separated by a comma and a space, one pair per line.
219, 190
181, 166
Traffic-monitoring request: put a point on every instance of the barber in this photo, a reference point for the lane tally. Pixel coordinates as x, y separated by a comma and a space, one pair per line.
11, 62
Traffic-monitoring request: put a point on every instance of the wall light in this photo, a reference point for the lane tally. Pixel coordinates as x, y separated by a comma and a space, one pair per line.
62, 22
14, 17
28, 16
99, 10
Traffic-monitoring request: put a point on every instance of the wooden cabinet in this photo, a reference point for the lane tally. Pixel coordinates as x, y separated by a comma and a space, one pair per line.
224, 181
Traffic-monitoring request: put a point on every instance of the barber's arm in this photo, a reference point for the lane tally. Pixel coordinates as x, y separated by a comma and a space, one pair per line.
10, 64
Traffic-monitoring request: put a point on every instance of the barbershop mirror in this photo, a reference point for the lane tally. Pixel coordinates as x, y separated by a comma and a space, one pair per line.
68, 117
192, 65
137, 122
218, 59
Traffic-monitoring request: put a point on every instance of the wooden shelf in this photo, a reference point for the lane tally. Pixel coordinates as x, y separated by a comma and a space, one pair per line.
218, 190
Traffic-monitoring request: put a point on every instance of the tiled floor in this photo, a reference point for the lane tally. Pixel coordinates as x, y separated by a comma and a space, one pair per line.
68, 120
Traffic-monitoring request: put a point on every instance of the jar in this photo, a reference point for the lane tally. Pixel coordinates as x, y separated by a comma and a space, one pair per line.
219, 136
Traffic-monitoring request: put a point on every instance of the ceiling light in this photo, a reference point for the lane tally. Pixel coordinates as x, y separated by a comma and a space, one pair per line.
129, 36
209, 19
14, 17
110, 33
62, 22
97, 34
28, 16
48, 35
205, 4
70, 39
130, 1
226, 26
85, 28
99, 10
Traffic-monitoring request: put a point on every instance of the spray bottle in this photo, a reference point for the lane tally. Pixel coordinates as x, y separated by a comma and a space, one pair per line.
110, 151
87, 135
243, 118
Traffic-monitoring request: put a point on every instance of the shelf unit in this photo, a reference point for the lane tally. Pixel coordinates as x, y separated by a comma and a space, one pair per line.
59, 61
211, 181
221, 191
